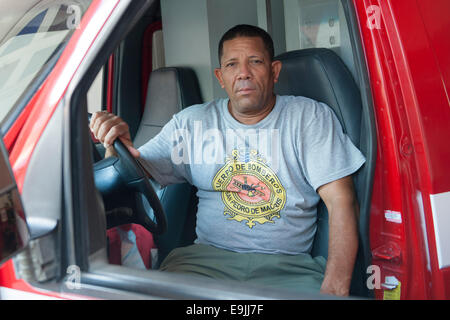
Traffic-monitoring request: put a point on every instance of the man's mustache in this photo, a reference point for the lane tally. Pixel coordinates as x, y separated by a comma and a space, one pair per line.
244, 85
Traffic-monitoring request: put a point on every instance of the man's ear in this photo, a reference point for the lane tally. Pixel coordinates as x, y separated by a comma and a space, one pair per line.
276, 69
218, 74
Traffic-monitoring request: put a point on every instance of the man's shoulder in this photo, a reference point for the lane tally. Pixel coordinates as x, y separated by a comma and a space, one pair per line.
197, 111
302, 106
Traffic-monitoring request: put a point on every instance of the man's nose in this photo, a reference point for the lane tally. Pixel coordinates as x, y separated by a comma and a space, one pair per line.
244, 72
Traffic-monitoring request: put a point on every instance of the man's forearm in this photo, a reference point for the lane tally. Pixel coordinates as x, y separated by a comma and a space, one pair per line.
342, 249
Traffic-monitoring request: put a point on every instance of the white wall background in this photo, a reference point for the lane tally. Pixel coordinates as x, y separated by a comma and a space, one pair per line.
192, 30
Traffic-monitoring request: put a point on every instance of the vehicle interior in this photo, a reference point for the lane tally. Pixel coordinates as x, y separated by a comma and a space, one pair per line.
158, 64
320, 62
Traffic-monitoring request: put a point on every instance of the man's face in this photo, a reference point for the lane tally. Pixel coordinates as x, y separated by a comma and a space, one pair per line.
247, 74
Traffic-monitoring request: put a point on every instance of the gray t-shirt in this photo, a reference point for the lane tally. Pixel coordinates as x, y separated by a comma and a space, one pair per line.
256, 183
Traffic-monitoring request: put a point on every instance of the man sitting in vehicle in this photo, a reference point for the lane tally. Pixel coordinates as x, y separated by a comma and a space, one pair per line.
261, 163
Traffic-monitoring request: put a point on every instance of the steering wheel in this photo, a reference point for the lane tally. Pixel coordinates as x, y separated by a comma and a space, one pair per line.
118, 176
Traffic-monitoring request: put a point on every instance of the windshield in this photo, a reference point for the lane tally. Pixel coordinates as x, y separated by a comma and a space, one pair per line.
31, 32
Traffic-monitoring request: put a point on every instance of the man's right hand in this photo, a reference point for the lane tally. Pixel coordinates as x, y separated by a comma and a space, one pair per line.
107, 127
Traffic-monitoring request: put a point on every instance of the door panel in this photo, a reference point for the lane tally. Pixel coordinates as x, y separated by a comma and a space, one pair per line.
14, 233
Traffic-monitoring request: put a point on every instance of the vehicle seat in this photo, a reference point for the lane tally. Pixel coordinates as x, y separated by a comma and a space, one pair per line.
321, 75
170, 89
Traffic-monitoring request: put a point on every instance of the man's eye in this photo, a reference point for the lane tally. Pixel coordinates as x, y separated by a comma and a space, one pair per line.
256, 61
231, 64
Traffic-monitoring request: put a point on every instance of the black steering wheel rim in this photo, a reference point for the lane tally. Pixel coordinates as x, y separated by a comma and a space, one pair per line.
124, 172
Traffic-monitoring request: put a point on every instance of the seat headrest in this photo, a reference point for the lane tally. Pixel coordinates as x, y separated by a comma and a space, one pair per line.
170, 89
320, 74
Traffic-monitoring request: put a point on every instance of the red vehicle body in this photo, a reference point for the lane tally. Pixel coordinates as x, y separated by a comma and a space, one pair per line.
406, 50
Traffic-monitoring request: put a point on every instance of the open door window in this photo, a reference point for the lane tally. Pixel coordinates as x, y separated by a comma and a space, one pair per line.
14, 235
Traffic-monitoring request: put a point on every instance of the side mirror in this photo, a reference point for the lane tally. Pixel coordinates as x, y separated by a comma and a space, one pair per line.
14, 233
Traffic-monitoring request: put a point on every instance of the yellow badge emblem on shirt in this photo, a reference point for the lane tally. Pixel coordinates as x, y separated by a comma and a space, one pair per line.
251, 191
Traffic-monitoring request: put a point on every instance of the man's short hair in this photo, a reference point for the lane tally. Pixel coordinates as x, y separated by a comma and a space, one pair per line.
245, 30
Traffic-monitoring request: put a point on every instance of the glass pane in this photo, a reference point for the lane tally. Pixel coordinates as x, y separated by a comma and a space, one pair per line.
319, 24
322, 24
33, 38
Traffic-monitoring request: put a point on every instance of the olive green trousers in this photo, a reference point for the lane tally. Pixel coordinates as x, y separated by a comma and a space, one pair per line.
292, 272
